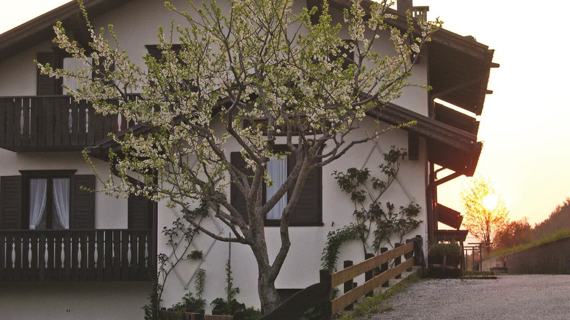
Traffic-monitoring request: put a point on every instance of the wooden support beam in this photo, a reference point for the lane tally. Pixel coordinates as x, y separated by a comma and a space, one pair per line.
447, 178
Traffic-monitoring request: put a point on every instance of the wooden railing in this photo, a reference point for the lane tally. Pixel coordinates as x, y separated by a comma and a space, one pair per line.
52, 123
420, 12
378, 270
112, 254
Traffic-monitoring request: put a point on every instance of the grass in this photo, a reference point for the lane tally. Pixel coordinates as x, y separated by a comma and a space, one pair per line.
555, 236
376, 304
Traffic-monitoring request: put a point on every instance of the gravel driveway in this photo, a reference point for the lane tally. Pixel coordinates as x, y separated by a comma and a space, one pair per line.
545, 297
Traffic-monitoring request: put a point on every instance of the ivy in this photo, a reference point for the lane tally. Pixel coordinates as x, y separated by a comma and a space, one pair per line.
335, 239
382, 221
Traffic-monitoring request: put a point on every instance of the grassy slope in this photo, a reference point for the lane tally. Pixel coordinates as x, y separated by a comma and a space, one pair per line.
555, 236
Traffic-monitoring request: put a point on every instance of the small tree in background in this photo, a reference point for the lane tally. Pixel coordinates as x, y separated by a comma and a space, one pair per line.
485, 212
513, 233
249, 74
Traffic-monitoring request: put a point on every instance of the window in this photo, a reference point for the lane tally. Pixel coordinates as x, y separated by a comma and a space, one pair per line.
307, 212
49, 201
53, 199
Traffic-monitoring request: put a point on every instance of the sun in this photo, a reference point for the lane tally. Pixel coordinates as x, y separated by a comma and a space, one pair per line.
490, 201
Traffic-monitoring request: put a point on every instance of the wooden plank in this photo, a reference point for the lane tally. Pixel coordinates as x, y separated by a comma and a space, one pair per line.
84, 254
352, 272
125, 238
91, 127
10, 130
116, 255
343, 301
67, 254
91, 270
100, 254
74, 123
2, 254
108, 269
141, 263
49, 122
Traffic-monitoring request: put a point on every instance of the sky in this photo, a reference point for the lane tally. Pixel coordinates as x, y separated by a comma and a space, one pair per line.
526, 121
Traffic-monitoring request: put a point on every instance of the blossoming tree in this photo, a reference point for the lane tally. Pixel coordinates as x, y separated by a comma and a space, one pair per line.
249, 73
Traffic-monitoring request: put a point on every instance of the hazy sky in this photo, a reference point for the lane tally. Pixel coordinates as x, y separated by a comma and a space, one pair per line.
526, 122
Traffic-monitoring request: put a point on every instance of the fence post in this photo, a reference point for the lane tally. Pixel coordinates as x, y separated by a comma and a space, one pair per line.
409, 255
368, 275
348, 285
326, 308
419, 259
384, 267
398, 261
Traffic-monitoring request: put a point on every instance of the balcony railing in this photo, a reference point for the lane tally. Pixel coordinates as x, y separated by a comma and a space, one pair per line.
52, 123
104, 255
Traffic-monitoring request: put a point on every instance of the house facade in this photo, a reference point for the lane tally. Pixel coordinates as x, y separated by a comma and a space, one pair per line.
68, 253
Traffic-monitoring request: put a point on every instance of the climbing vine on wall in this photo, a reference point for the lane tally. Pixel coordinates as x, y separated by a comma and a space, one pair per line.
376, 223
179, 237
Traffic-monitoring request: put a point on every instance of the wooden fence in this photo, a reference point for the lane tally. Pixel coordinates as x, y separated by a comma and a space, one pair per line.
378, 270
111, 254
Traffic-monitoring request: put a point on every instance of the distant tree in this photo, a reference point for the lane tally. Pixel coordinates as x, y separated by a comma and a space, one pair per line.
485, 212
558, 219
512, 234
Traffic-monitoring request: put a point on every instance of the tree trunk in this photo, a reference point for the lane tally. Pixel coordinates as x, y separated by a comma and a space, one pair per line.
268, 295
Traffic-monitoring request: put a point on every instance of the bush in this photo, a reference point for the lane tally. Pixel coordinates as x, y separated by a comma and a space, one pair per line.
444, 260
234, 308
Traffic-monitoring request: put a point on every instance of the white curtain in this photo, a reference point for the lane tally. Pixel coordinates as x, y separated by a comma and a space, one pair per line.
277, 170
61, 201
38, 193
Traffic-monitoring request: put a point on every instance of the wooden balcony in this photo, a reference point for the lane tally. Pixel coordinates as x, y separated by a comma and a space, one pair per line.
71, 255
52, 123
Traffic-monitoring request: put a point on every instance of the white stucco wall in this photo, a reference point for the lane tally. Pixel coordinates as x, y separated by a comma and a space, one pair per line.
73, 300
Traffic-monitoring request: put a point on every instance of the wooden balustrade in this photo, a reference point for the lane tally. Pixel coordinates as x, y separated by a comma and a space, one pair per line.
52, 123
112, 254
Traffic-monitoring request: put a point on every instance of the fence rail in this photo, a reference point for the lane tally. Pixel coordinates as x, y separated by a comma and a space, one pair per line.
53, 123
112, 254
378, 271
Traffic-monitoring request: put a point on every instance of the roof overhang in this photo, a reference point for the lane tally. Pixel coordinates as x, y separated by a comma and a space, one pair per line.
448, 146
41, 28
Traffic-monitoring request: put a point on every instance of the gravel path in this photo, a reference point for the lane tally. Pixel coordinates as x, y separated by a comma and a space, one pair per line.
545, 297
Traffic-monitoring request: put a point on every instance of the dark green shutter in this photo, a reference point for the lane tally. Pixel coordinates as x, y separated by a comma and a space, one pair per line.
413, 146
11, 204
308, 210
46, 85
139, 213
83, 213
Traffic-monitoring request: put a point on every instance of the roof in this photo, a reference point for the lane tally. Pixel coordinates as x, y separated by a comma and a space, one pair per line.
41, 27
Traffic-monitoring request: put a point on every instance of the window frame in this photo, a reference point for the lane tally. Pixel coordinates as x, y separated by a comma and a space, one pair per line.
27, 175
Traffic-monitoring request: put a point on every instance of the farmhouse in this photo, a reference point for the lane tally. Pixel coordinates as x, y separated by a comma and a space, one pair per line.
67, 253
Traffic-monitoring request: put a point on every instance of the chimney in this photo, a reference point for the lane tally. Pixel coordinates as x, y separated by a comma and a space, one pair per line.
405, 5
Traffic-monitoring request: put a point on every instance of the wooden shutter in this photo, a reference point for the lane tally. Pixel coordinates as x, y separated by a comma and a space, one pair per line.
83, 213
413, 146
11, 204
236, 198
140, 213
46, 85
308, 210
